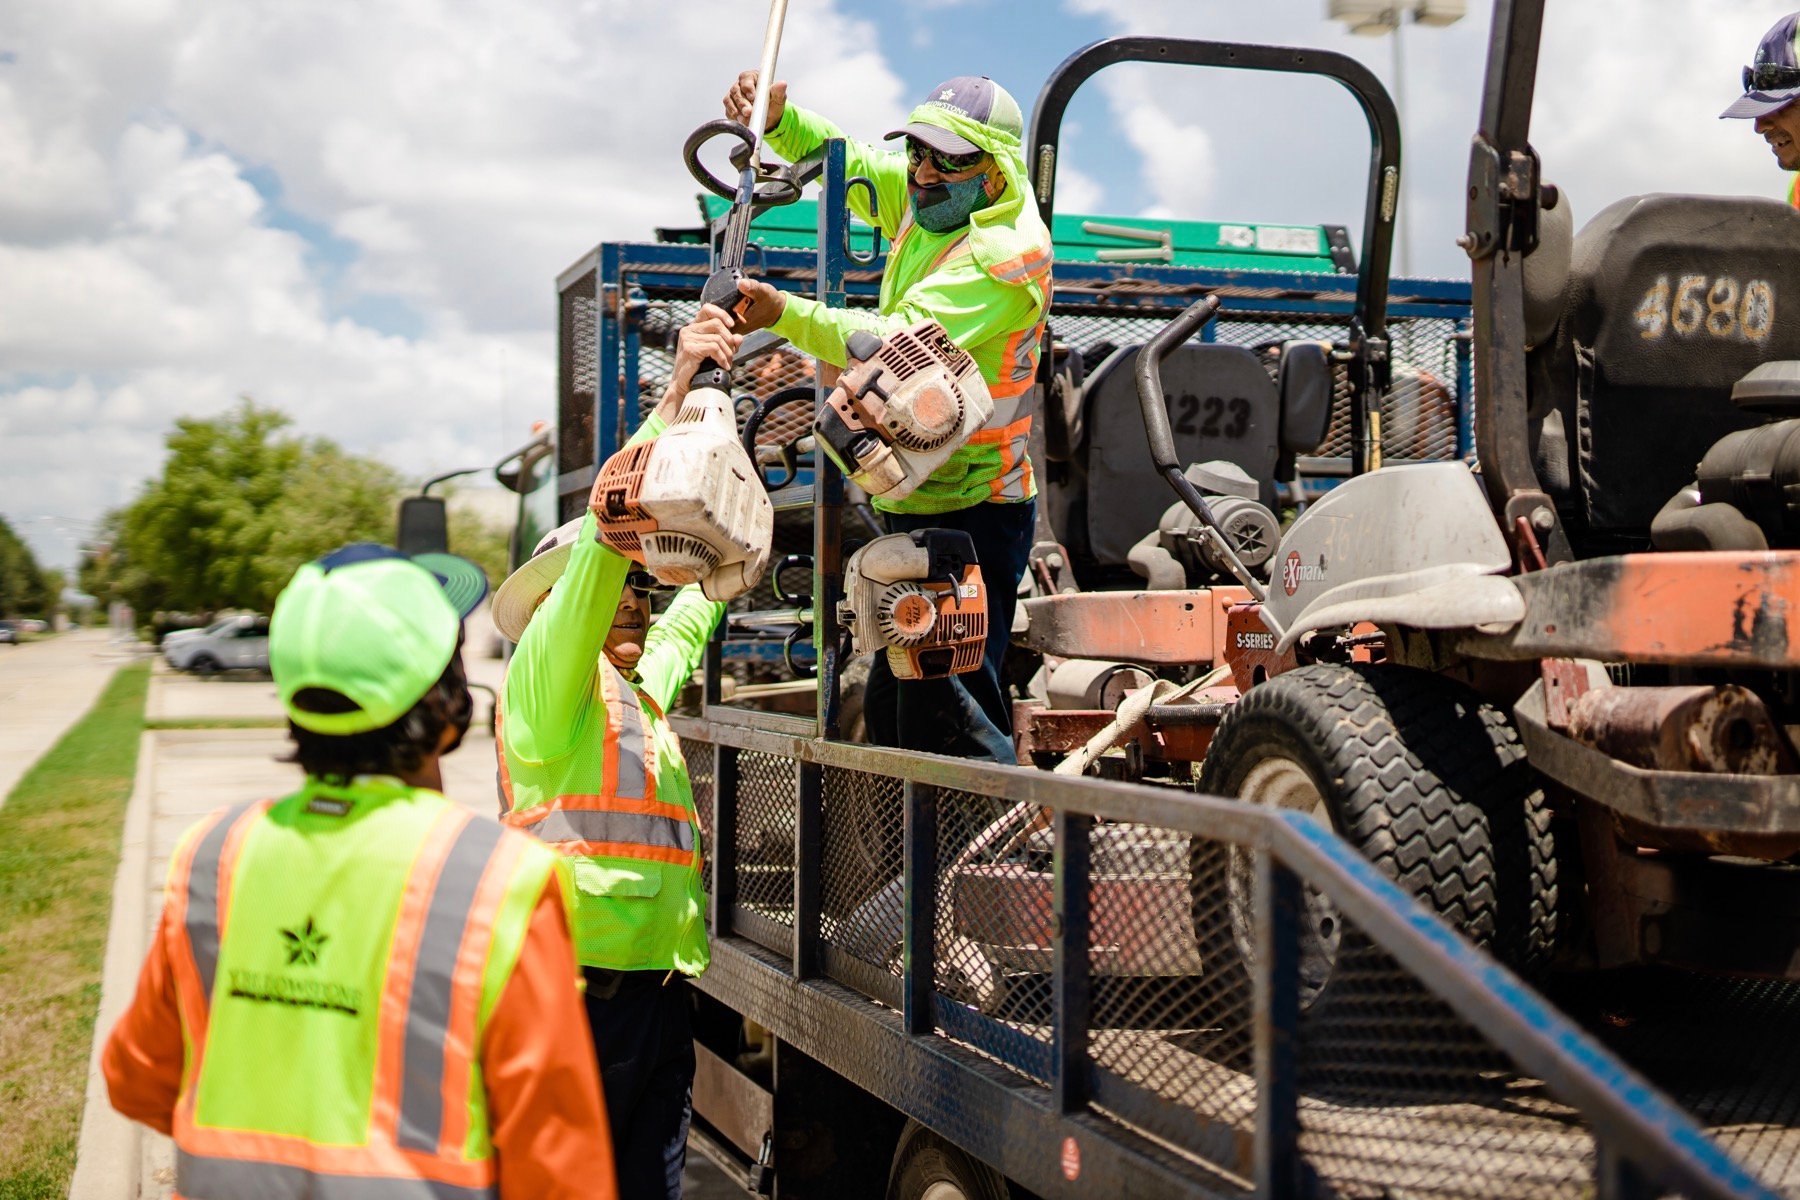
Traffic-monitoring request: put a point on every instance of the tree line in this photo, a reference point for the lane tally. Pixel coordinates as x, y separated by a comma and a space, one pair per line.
26, 589
239, 505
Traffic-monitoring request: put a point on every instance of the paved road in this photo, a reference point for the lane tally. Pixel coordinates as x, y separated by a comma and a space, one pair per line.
189, 773
45, 687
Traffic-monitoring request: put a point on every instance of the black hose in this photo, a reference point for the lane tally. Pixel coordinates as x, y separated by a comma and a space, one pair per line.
790, 459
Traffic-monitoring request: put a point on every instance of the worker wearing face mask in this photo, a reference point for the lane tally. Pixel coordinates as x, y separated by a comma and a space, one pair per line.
970, 252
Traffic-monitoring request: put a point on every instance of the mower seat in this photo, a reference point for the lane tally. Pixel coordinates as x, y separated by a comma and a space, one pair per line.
1222, 405
1669, 301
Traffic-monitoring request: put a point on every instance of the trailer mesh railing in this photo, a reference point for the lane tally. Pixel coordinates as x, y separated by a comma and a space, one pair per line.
767, 814
1394, 1084
1175, 943
1418, 413
862, 913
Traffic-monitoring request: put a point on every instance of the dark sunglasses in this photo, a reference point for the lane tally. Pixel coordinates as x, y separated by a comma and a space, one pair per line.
1770, 77
643, 582
948, 164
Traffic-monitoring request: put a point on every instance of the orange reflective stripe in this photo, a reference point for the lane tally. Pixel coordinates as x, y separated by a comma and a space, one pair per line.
200, 1178
591, 803
403, 958
1015, 478
1018, 363
460, 1044
626, 748
506, 792
1027, 266
376, 1161
663, 854
199, 887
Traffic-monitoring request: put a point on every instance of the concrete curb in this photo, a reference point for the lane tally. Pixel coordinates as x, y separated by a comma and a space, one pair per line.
107, 1158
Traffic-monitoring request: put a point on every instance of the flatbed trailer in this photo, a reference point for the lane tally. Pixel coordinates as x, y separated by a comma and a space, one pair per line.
997, 971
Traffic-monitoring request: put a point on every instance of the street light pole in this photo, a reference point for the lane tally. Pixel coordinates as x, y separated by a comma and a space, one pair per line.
1403, 221
1372, 18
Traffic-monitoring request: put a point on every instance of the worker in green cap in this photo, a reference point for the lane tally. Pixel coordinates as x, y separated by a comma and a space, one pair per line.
970, 252
361, 988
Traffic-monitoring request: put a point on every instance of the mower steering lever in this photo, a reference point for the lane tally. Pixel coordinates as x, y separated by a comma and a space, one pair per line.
1162, 441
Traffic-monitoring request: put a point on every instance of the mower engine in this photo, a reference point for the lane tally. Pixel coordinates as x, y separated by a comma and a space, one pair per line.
1178, 555
689, 504
919, 597
902, 407
1746, 495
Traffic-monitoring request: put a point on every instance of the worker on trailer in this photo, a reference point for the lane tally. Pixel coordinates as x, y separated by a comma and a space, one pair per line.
589, 764
360, 988
971, 253
1771, 89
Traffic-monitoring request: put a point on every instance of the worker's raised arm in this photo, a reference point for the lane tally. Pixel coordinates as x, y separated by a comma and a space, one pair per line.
965, 299
675, 643
794, 132
552, 673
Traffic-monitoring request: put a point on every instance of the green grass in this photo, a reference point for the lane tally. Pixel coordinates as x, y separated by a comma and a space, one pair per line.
59, 848
218, 723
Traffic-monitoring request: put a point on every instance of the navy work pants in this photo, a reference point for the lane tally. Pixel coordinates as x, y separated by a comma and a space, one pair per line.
644, 1040
967, 715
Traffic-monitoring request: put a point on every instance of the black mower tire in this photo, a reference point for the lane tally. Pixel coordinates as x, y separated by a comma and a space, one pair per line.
1423, 777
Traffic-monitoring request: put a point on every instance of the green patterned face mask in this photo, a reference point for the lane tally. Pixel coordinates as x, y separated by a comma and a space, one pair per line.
946, 206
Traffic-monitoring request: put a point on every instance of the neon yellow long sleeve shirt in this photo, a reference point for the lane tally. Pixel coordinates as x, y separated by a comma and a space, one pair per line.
987, 283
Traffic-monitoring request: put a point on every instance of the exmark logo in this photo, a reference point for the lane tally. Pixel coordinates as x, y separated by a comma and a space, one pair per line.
1294, 572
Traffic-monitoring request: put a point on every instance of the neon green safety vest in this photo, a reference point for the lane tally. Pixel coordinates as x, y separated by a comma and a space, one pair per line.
342, 950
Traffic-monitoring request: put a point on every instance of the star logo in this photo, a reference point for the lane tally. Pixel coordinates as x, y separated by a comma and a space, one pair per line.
303, 944
947, 94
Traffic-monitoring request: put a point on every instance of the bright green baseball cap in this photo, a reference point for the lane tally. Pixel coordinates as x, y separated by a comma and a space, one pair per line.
371, 625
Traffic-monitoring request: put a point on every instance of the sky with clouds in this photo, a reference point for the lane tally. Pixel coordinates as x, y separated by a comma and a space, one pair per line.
356, 212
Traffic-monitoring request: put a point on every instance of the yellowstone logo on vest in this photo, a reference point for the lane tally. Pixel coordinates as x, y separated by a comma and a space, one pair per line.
1294, 572
302, 946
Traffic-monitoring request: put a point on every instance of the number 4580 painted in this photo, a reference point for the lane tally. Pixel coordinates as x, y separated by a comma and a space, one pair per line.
1718, 306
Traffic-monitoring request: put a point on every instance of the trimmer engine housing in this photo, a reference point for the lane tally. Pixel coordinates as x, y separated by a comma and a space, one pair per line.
688, 504
903, 407
918, 596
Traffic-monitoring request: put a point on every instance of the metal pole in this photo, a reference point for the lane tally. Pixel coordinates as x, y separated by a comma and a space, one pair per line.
765, 79
1402, 221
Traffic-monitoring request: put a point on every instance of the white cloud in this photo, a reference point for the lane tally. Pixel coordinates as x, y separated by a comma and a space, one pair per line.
449, 157
1628, 97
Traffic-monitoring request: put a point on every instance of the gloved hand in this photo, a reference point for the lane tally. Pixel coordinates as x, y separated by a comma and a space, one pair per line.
742, 98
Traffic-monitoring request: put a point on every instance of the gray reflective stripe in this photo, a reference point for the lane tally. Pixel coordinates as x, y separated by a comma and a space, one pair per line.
202, 919
639, 829
199, 1178
428, 1009
631, 737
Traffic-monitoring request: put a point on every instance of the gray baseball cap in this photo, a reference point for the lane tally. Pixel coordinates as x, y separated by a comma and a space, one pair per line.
975, 97
1772, 80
